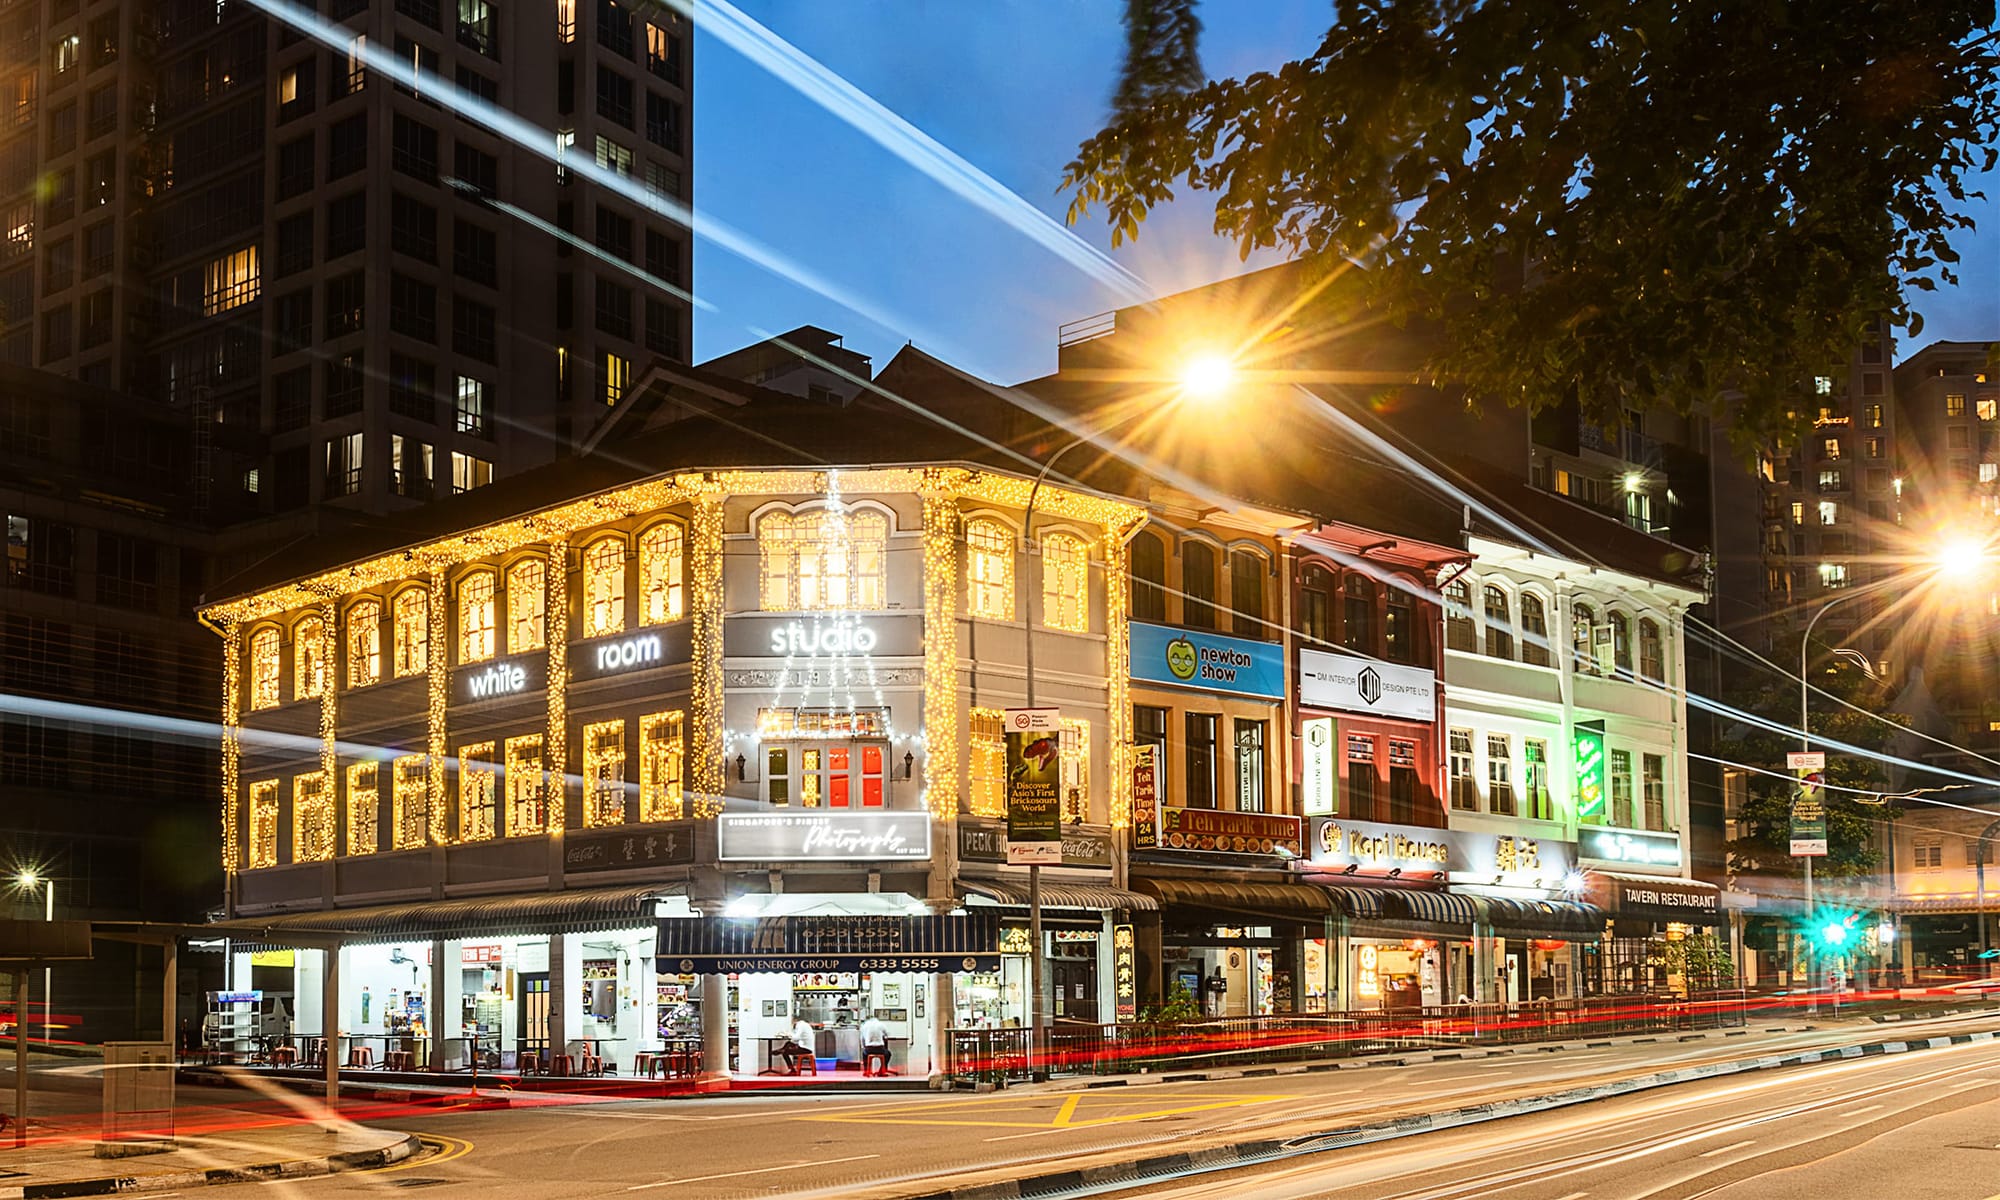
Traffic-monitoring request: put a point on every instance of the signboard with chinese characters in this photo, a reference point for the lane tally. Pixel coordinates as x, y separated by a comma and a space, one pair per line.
1809, 816
1589, 760
1345, 683
584, 851
1465, 855
1318, 776
1632, 846
1212, 662
1086, 846
1210, 831
1124, 972
1034, 786
821, 836
1145, 796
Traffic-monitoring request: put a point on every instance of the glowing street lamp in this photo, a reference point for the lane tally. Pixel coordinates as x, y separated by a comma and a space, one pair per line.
1207, 376
27, 879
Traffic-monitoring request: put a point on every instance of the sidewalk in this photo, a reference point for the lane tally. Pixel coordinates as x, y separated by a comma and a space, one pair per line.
291, 1151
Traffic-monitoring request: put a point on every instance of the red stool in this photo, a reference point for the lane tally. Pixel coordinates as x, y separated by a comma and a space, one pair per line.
360, 1056
564, 1064
400, 1060
284, 1056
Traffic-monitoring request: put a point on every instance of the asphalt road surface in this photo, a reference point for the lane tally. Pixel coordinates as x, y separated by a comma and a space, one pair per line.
860, 1145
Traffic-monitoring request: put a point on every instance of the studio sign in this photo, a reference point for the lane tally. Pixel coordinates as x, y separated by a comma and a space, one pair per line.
798, 637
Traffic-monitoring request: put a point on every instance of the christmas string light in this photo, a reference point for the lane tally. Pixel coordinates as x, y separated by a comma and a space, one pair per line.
941, 643
705, 672
232, 745
556, 615
434, 665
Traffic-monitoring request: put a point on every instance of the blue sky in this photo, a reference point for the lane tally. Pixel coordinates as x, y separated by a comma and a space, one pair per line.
1012, 86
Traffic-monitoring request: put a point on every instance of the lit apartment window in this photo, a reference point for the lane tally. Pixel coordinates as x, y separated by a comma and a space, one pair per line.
264, 823
660, 759
1822, 385
1833, 575
364, 643
1829, 512
1499, 775
821, 559
604, 587
1987, 408
565, 145
363, 808
357, 63
986, 763
565, 20
412, 632
308, 658
470, 407
617, 376
660, 560
312, 818
527, 787
68, 54
475, 792
20, 222
476, 633
989, 570
1872, 416
468, 472
410, 801
604, 773
526, 605
266, 661
614, 157
1798, 512
230, 281
1873, 447
1464, 786
1988, 472
1954, 404
1830, 448
1065, 583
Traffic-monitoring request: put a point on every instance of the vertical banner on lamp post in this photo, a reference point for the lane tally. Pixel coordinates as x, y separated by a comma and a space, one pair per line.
1034, 786
1808, 807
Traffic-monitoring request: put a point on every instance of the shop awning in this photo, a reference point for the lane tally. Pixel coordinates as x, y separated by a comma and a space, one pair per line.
1062, 895
1437, 908
580, 911
1565, 920
1364, 902
1656, 898
1272, 901
829, 943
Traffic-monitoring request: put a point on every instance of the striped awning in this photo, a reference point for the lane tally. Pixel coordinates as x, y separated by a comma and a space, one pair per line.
580, 911
1283, 901
1062, 895
1568, 920
1366, 903
1436, 908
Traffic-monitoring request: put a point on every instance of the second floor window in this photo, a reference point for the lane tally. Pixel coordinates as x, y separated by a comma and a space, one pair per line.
1652, 652
1246, 594
1459, 631
1499, 623
1198, 584
660, 561
822, 559
604, 588
1149, 577
309, 658
413, 632
1464, 788
476, 634
266, 662
1534, 631
526, 601
1065, 583
989, 570
364, 643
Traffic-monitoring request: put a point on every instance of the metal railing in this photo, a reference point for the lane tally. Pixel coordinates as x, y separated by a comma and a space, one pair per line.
1001, 1055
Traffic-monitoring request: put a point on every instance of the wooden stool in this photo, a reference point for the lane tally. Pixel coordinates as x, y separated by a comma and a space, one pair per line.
593, 1064
530, 1064
400, 1060
564, 1064
360, 1056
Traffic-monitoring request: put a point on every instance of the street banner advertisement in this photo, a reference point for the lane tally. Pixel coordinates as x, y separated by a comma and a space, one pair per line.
1809, 817
1034, 786
1145, 797
1318, 774
1588, 749
1125, 971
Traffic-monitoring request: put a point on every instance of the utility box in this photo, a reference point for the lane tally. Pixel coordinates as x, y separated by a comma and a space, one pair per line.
138, 1099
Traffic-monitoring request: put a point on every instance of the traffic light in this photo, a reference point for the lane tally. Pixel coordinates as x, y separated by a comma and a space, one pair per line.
1833, 934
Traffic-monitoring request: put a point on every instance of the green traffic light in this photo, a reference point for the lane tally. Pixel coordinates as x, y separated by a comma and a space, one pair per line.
1835, 934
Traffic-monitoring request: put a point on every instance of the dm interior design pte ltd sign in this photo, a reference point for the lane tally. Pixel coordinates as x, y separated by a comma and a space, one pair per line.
1344, 683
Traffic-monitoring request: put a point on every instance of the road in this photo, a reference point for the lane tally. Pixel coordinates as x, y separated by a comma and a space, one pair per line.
842, 1145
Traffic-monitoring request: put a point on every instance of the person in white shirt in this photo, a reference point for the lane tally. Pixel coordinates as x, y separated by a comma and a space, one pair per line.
802, 1043
874, 1045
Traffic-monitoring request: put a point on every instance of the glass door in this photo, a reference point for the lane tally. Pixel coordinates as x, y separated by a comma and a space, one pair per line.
827, 774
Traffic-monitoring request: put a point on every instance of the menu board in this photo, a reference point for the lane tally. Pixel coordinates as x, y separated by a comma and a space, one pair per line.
1210, 831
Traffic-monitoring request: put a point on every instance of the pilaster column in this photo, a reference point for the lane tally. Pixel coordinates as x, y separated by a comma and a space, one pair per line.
705, 770
437, 666
232, 751
555, 745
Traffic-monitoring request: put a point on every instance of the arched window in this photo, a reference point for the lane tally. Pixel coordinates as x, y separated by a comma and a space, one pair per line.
1246, 593
413, 632
989, 570
1621, 643
1399, 627
1534, 631
1198, 584
1357, 615
660, 554
1459, 631
1316, 605
364, 643
1583, 623
604, 587
1149, 577
308, 658
822, 559
476, 634
527, 605
1065, 582
266, 661
1652, 652
1499, 623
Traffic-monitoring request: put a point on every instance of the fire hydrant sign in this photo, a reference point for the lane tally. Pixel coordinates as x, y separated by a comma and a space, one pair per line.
1034, 786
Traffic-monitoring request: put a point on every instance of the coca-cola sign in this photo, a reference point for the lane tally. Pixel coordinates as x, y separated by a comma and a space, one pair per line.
824, 836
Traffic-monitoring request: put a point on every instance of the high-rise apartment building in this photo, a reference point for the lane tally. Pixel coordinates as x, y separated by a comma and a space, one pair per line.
344, 282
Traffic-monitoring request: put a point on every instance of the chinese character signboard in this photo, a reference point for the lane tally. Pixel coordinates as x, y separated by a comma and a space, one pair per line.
1464, 855
1124, 972
657, 846
1034, 786
1145, 796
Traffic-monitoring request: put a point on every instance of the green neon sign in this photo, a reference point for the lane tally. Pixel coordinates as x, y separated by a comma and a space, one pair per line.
1589, 754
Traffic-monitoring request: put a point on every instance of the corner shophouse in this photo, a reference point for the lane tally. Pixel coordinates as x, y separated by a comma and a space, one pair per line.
682, 758
1244, 927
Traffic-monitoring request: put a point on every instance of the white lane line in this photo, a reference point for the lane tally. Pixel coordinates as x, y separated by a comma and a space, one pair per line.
1726, 1149
823, 1162
1855, 1112
1573, 1196
1008, 1137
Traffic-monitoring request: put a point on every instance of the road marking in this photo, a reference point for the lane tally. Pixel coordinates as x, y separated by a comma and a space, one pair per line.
1068, 1110
822, 1162
1726, 1149
1573, 1196
1033, 1111
448, 1148
1855, 1112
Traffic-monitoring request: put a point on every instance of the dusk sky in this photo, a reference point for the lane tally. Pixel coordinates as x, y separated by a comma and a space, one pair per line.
1012, 86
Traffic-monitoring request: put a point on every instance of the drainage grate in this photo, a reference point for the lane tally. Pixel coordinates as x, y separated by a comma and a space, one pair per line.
417, 1183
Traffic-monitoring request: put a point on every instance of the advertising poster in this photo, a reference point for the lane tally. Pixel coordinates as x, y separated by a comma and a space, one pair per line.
1145, 796
1034, 786
1318, 771
1809, 817
1589, 748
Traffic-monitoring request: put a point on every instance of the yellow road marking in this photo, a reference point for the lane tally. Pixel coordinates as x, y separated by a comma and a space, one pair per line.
1033, 1112
448, 1149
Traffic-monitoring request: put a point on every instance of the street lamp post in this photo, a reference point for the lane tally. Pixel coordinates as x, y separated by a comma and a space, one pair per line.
28, 881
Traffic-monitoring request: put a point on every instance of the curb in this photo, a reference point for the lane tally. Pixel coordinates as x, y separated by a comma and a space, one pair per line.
1083, 1181
414, 1097
302, 1168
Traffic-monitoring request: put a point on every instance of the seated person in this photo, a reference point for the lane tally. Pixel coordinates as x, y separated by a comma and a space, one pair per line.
874, 1046
800, 1045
